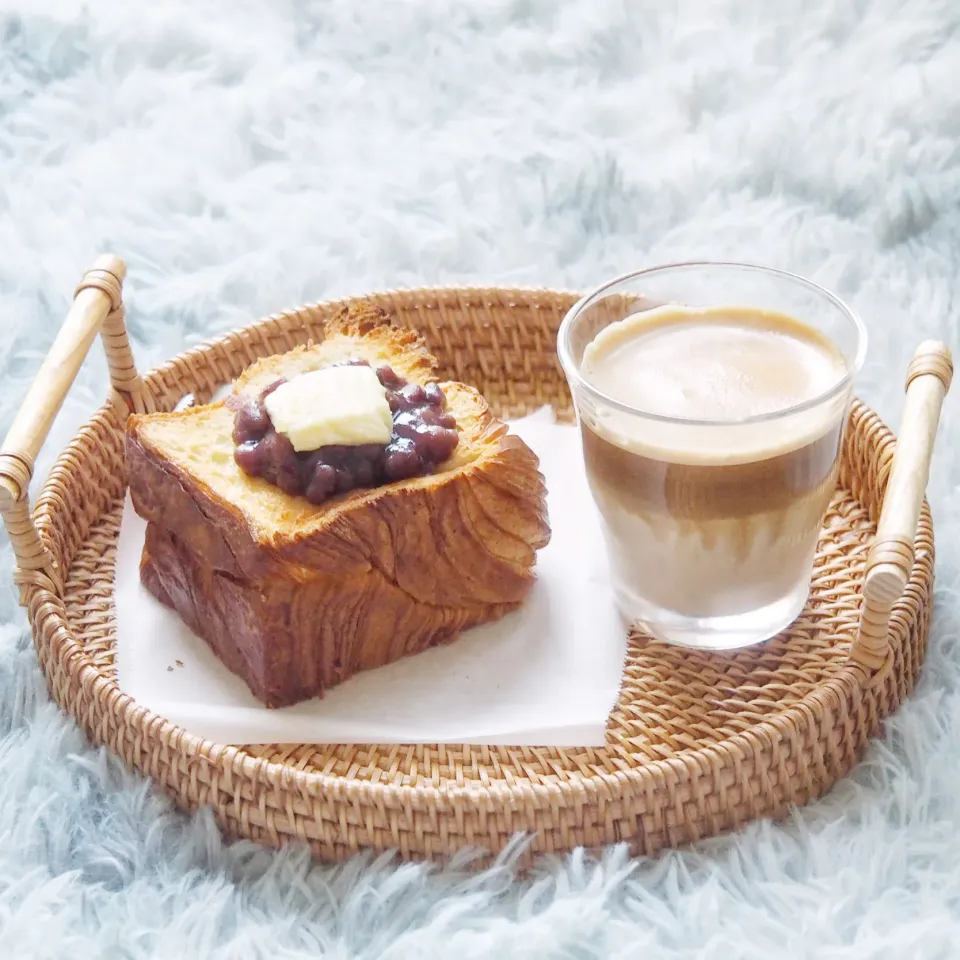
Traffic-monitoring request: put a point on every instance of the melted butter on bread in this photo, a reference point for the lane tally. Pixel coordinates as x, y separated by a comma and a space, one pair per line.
343, 406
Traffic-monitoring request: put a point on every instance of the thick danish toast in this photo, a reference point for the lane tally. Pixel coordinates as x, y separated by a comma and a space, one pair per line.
295, 597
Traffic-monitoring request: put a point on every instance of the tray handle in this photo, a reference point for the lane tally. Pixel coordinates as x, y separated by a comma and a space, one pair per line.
97, 307
891, 555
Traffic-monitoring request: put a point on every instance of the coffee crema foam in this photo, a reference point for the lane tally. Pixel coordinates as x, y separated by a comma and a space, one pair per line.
717, 365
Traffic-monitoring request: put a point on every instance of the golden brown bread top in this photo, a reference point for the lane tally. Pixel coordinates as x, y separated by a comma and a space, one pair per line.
487, 500
363, 331
197, 444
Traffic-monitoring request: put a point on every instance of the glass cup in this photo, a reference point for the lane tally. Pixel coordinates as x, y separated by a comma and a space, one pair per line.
711, 525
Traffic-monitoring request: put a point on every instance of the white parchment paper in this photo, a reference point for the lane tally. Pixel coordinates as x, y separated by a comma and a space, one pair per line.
546, 675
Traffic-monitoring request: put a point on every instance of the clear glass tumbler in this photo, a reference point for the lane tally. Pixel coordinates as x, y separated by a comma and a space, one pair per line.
711, 525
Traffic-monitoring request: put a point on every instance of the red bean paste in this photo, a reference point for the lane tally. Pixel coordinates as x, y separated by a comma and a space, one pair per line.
424, 435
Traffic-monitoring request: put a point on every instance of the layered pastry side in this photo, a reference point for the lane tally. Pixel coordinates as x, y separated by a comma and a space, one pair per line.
342, 509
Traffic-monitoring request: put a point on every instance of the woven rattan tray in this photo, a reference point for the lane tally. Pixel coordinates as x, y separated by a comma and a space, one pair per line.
699, 743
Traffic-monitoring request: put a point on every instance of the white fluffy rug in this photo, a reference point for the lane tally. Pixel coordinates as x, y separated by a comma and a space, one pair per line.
248, 156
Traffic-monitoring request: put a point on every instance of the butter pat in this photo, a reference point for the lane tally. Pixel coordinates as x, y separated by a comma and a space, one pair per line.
345, 406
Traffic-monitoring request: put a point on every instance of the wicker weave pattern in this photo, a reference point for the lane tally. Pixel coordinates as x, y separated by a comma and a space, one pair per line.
699, 743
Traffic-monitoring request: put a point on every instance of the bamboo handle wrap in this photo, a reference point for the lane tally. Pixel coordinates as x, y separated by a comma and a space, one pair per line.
891, 556
97, 307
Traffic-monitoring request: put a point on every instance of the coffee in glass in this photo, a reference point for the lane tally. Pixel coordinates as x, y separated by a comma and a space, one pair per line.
711, 400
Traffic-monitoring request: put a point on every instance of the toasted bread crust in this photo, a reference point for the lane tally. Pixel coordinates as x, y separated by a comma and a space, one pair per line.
298, 605
360, 324
493, 504
291, 641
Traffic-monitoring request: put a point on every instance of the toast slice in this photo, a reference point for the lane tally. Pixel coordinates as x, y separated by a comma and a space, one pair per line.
294, 597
